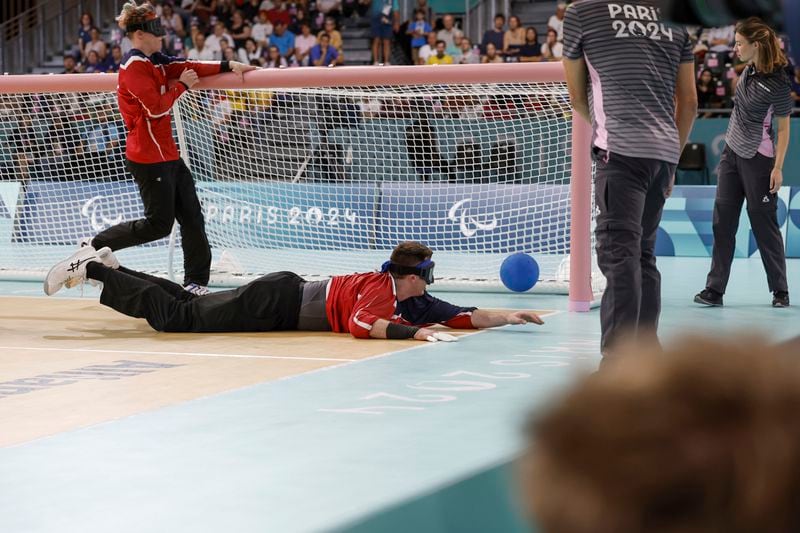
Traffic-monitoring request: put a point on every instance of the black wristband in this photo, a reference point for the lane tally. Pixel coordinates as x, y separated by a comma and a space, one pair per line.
184, 85
400, 331
225, 66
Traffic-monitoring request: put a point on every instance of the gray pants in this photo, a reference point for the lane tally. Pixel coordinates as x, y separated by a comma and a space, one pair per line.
629, 194
738, 179
313, 316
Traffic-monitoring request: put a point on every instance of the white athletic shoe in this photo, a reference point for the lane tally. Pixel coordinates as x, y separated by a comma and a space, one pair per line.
108, 258
72, 271
197, 290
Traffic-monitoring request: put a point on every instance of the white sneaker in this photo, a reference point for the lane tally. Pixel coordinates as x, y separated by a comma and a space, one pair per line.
108, 258
197, 290
72, 271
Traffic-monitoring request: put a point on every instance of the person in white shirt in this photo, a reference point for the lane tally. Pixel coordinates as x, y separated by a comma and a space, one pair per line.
552, 50
721, 39
125, 45
274, 58
262, 29
251, 52
428, 49
449, 32
303, 44
556, 22
201, 51
220, 33
329, 7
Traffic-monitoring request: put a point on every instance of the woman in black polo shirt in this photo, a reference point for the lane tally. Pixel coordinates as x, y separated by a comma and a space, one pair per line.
751, 163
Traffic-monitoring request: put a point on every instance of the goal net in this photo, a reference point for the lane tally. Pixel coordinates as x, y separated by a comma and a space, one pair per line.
317, 171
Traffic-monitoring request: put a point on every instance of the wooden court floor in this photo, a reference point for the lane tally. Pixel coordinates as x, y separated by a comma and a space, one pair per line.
72, 363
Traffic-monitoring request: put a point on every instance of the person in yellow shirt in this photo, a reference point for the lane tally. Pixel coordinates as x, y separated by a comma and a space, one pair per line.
440, 57
336, 38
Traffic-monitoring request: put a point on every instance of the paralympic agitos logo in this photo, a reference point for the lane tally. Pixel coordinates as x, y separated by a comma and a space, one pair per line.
93, 210
468, 224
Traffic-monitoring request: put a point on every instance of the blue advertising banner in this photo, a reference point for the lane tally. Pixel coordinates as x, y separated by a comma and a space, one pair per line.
62, 212
449, 217
496, 217
686, 224
248, 215
291, 215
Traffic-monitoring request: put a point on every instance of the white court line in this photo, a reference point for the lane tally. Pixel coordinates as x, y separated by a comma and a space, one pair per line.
342, 363
196, 354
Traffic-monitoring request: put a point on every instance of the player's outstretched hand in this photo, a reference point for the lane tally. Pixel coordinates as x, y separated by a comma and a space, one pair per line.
441, 336
189, 78
240, 68
430, 335
523, 317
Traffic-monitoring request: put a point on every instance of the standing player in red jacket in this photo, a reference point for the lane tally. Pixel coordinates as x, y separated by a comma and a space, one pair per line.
166, 186
390, 304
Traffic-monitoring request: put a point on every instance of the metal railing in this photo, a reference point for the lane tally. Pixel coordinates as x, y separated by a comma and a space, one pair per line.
41, 32
479, 16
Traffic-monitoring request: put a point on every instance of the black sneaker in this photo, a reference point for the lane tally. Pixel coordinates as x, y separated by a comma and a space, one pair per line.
708, 297
780, 299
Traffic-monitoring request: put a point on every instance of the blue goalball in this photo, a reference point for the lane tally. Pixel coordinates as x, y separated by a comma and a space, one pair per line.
519, 272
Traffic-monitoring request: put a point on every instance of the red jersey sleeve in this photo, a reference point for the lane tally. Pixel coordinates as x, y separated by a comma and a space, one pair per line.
462, 320
377, 301
176, 68
141, 83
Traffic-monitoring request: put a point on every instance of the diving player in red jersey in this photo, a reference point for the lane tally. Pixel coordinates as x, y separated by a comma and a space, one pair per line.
149, 84
390, 304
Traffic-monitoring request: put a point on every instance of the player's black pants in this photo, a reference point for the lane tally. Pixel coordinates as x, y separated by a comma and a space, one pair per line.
630, 194
269, 303
738, 179
168, 193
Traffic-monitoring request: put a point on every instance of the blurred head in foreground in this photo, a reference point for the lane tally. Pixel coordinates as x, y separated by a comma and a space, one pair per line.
704, 438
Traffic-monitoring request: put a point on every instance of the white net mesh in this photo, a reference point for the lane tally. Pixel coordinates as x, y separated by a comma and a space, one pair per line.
317, 181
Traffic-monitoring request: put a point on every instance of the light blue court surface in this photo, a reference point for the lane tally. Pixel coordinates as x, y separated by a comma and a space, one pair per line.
367, 446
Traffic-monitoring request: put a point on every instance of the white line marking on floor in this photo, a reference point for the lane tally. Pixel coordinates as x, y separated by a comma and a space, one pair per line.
194, 354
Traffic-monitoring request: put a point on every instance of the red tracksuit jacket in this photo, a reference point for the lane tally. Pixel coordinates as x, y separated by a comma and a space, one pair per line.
145, 98
354, 302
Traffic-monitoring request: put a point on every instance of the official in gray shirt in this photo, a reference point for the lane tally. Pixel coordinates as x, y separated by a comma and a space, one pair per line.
626, 68
751, 164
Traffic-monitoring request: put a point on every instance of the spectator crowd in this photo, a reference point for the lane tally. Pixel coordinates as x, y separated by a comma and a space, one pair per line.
257, 32
718, 70
278, 34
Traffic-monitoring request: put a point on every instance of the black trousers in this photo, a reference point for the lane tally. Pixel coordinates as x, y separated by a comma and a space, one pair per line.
738, 179
168, 193
629, 194
269, 303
